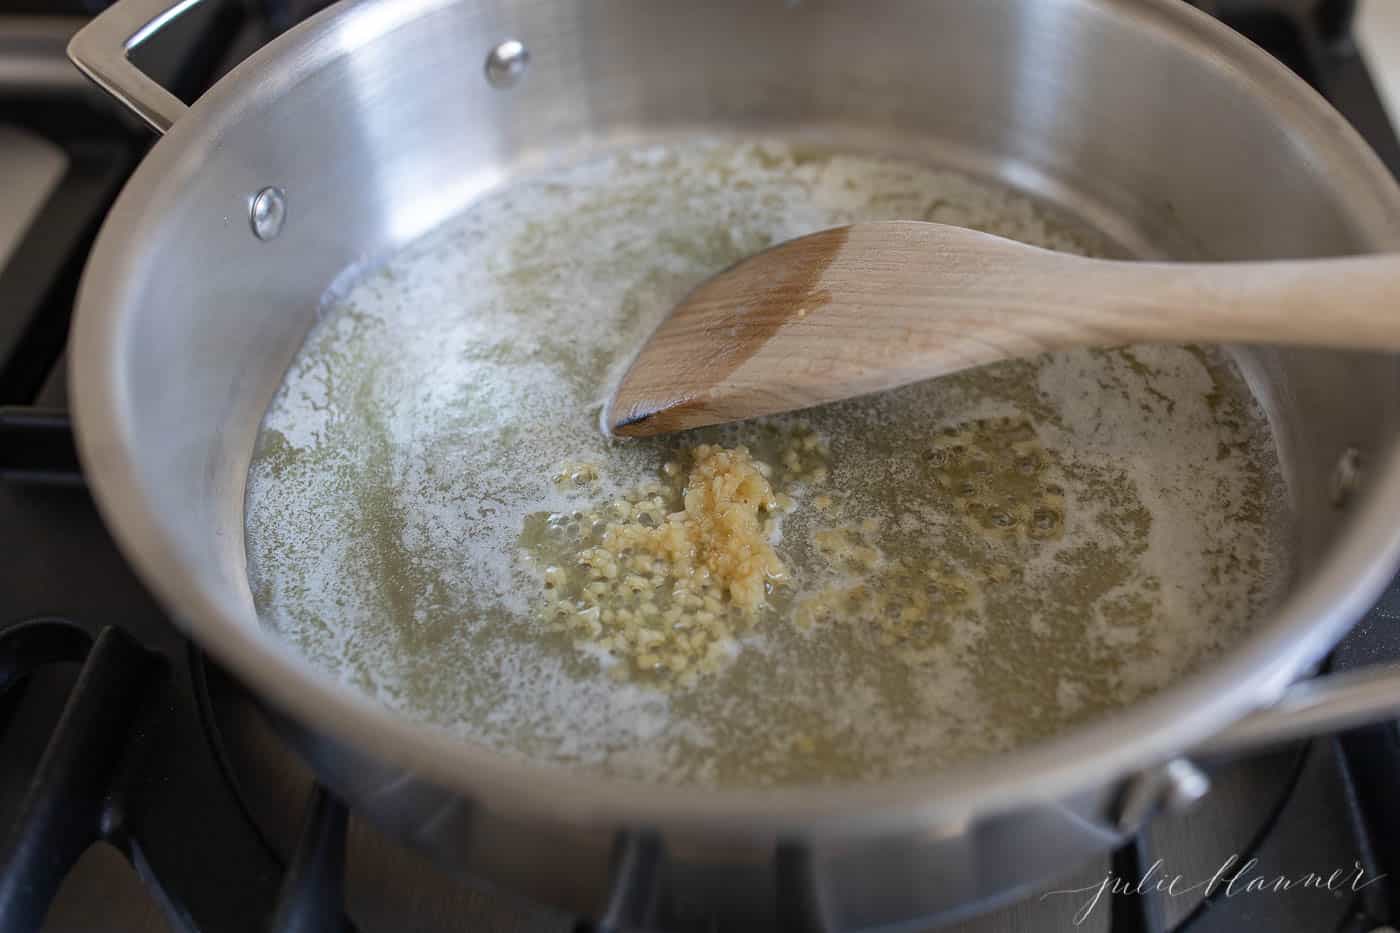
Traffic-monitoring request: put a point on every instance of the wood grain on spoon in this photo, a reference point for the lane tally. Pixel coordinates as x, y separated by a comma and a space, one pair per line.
870, 307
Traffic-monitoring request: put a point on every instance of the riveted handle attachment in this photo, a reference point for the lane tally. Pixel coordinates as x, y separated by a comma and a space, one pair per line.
102, 51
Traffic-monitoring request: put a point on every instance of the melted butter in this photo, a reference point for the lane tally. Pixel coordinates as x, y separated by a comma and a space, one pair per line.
1108, 521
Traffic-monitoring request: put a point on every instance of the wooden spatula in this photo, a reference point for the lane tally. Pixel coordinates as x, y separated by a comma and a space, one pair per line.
869, 307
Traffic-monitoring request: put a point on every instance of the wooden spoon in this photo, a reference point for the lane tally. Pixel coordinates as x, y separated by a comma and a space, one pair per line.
869, 307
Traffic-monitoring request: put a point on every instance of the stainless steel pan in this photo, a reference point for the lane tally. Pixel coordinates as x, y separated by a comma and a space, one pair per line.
375, 120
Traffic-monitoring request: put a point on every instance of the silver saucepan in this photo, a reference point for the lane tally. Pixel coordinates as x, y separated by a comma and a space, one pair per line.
375, 120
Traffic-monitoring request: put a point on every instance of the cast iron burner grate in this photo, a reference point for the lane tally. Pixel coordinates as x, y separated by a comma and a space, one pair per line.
130, 752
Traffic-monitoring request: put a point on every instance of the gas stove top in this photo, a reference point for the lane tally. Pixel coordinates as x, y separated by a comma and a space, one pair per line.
142, 789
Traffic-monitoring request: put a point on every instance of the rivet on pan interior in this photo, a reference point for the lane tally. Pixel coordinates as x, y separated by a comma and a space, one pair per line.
268, 213
1345, 476
506, 64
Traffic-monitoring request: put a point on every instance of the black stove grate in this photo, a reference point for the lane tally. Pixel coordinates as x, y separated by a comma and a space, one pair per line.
129, 762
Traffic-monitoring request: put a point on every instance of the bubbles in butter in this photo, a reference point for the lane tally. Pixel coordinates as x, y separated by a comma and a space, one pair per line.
1110, 519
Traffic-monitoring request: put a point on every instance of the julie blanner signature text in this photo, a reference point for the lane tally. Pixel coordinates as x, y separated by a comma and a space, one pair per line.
1233, 878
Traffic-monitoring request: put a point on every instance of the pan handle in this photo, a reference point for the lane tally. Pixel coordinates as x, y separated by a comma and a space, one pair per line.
102, 49
1331, 703
1309, 708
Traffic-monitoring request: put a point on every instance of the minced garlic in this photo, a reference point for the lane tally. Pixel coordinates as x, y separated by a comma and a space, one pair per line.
575, 474
992, 472
665, 578
899, 601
